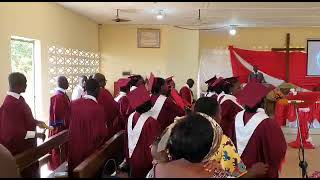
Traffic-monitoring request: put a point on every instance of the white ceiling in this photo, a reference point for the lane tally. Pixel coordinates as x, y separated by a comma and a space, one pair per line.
214, 14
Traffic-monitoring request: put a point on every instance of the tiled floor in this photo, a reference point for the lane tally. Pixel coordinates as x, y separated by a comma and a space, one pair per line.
291, 167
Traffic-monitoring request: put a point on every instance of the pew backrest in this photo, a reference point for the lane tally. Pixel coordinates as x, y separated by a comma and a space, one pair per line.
30, 156
112, 149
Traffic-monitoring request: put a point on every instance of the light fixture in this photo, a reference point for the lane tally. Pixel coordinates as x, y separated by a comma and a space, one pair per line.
160, 15
232, 31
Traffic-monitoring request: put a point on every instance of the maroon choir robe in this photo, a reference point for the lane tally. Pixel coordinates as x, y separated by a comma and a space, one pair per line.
87, 130
140, 161
186, 94
59, 119
15, 120
267, 144
229, 109
125, 110
111, 110
168, 112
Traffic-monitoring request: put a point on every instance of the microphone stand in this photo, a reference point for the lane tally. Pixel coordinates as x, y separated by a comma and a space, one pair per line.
302, 162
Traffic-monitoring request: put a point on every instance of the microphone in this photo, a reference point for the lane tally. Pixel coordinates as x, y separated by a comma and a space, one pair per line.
295, 101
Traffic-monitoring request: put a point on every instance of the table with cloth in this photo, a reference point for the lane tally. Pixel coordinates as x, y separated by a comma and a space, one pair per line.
308, 114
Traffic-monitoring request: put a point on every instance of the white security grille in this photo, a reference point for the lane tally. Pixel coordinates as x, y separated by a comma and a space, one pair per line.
71, 63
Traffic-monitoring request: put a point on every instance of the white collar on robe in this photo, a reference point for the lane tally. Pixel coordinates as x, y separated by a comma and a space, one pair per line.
90, 97
120, 95
210, 94
244, 132
13, 94
80, 87
60, 89
134, 133
221, 94
231, 98
133, 88
157, 107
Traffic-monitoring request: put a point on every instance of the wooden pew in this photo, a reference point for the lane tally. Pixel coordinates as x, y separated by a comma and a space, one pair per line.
30, 156
92, 166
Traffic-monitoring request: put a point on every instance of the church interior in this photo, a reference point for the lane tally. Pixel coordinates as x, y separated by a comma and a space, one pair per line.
197, 40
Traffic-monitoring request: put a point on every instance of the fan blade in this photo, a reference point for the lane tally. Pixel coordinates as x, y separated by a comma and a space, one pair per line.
121, 20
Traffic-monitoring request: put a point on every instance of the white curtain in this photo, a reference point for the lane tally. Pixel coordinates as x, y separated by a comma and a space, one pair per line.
213, 62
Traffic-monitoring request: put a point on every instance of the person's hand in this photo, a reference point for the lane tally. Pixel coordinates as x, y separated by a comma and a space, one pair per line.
41, 136
258, 169
43, 125
212, 165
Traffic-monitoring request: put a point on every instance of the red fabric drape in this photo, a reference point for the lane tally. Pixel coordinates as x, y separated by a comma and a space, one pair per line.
273, 64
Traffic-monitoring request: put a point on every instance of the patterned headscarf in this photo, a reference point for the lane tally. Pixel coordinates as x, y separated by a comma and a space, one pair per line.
216, 141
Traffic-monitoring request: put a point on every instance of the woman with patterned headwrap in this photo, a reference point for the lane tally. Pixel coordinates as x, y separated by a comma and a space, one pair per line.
189, 142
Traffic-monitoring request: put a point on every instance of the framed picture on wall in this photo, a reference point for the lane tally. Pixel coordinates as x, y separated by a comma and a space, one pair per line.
148, 38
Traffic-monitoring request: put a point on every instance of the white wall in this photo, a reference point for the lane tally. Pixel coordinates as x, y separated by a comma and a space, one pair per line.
52, 25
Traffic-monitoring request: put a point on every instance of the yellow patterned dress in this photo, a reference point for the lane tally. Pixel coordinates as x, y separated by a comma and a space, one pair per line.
229, 158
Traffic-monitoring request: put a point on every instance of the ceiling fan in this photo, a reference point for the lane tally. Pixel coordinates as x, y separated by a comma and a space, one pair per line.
200, 24
118, 19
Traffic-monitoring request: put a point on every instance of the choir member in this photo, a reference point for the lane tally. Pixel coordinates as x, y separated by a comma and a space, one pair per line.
136, 81
142, 130
79, 90
229, 105
257, 137
164, 109
234, 165
124, 107
111, 107
87, 130
186, 92
17, 124
59, 118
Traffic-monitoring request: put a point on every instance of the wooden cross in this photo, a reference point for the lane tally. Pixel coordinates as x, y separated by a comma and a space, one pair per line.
287, 49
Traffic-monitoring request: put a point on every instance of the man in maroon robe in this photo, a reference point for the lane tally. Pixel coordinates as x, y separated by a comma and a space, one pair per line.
186, 92
59, 119
229, 105
164, 109
111, 107
87, 130
17, 124
142, 130
124, 108
257, 137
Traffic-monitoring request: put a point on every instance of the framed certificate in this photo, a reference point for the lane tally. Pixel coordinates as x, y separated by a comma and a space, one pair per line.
148, 38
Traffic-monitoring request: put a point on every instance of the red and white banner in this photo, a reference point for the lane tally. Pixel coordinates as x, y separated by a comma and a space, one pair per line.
273, 66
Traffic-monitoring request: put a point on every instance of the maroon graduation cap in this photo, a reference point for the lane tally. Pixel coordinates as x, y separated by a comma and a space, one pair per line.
211, 80
138, 97
151, 81
253, 93
123, 82
218, 82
